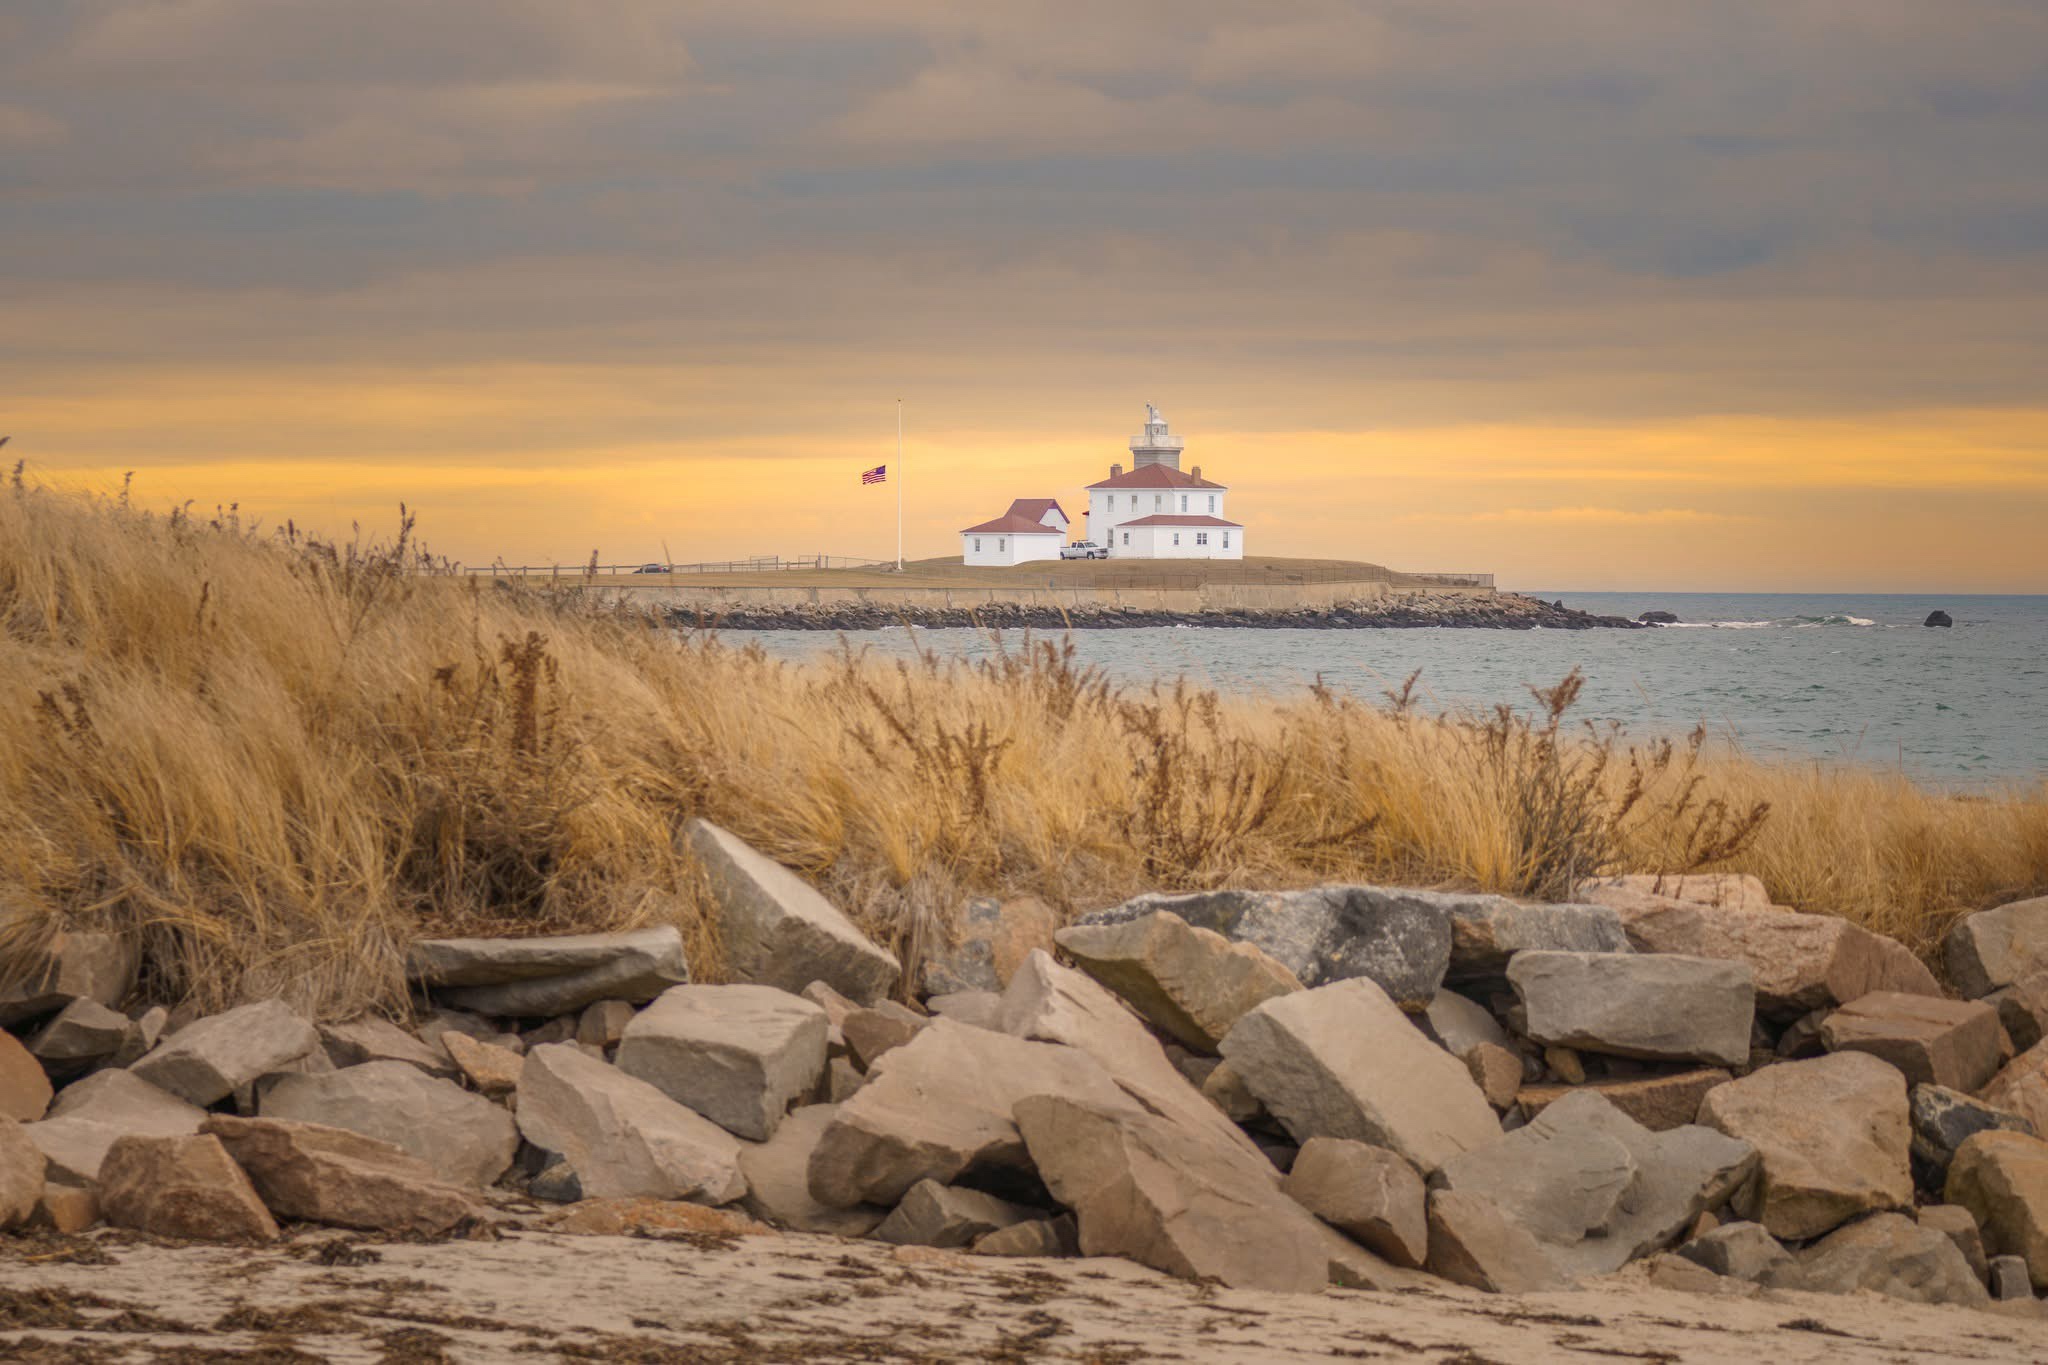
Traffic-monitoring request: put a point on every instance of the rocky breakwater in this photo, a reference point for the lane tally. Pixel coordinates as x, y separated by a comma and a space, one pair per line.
1282, 1090
1502, 611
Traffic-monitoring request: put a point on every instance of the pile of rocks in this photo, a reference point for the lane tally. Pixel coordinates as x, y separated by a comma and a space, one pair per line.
1346, 1085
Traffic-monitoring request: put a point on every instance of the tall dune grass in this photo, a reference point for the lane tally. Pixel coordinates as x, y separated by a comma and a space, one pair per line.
275, 760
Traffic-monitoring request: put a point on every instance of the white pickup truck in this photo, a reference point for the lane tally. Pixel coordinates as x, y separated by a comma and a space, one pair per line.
1084, 549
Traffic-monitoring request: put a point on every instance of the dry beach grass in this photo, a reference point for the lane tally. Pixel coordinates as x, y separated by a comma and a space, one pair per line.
276, 760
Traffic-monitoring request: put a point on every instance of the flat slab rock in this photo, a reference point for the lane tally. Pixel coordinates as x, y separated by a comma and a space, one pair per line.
1953, 1043
209, 1059
1799, 962
738, 1055
1343, 1061
549, 976
328, 1175
1659, 1103
622, 1137
1660, 1008
1189, 982
464, 1137
1595, 1188
1144, 1188
940, 1107
1727, 890
778, 930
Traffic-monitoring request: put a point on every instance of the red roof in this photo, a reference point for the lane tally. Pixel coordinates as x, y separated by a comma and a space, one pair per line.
1012, 524
1154, 476
1163, 520
1036, 508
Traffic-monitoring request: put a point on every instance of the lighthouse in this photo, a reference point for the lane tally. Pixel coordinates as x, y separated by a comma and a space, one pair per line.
1155, 445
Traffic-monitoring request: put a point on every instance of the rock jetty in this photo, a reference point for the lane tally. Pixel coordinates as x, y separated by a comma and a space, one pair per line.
1503, 611
1358, 1086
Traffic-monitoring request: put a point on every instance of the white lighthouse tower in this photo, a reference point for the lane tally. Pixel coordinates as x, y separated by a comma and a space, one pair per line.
1155, 445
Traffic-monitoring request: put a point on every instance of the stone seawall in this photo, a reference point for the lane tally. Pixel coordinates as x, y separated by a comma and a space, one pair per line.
1060, 610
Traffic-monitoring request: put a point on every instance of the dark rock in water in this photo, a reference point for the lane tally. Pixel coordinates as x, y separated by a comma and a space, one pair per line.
1658, 618
1938, 618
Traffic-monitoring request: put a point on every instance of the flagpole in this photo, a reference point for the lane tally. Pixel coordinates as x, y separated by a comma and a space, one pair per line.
899, 485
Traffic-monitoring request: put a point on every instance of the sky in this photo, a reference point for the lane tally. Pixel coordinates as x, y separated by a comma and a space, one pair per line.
1748, 295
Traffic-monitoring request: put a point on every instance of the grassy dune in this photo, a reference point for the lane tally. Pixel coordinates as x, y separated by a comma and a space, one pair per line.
276, 760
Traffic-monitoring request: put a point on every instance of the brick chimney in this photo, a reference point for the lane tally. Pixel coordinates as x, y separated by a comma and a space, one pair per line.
1198, 471
1115, 470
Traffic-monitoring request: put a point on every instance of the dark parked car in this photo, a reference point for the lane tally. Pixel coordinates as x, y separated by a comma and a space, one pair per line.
651, 568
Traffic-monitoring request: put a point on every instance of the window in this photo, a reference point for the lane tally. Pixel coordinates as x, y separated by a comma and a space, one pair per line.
1176, 537
1000, 543
1158, 500
1127, 537
1226, 540
1183, 502
1212, 504
1201, 537
977, 545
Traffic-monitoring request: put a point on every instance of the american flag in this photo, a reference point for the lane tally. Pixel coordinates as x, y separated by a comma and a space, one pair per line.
879, 474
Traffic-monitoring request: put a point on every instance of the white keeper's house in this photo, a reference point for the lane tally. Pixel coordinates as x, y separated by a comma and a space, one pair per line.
1154, 511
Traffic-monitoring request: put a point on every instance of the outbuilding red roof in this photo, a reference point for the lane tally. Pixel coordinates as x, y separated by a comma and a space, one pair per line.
1154, 476
1036, 508
1166, 520
1012, 524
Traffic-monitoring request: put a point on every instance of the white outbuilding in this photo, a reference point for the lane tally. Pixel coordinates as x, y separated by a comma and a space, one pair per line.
1157, 510
1033, 528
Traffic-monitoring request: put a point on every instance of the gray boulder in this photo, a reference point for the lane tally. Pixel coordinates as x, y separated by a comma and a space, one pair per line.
935, 1215
2009, 1279
465, 1138
1891, 1255
532, 977
2023, 1009
1049, 1003
988, 941
621, 1137
83, 1035
88, 1116
68, 966
939, 1108
209, 1059
1943, 1120
1366, 1192
1487, 932
1995, 948
1740, 1251
1399, 940
778, 1174
777, 930
1959, 1225
1652, 1007
371, 1039
1343, 1061
1188, 982
1472, 1243
1952, 1043
1171, 1198
1595, 1188
738, 1055
1461, 1024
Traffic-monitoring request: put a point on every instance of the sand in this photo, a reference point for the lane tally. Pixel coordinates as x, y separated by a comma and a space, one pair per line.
546, 1296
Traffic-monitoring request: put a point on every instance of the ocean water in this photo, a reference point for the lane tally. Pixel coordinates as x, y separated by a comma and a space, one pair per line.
1831, 677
